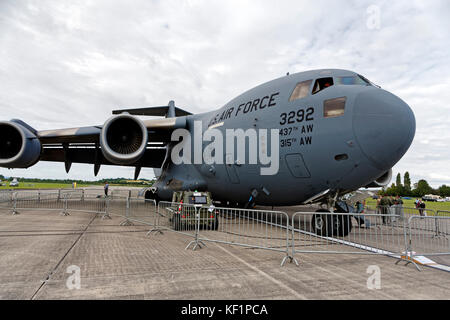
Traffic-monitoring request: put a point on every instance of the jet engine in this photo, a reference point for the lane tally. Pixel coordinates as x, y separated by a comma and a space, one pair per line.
381, 181
19, 146
123, 139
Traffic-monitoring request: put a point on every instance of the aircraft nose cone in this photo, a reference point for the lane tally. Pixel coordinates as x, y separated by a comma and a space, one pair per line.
384, 127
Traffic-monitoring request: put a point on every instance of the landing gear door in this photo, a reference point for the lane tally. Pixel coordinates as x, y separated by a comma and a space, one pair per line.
231, 169
297, 166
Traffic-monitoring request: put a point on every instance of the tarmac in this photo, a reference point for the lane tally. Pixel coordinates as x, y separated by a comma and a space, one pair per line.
38, 247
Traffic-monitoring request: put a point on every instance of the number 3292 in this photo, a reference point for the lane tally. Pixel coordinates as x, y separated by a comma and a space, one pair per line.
296, 117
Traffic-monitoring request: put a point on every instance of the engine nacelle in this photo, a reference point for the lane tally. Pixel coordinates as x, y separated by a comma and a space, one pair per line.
123, 139
19, 147
381, 181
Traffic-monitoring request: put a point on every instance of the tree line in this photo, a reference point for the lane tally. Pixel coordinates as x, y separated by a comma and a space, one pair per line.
417, 190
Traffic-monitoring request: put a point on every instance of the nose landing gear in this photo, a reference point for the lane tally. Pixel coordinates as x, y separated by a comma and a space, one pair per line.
330, 223
327, 224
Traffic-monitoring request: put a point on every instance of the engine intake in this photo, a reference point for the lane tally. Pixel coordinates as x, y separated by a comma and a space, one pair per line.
381, 181
19, 147
123, 139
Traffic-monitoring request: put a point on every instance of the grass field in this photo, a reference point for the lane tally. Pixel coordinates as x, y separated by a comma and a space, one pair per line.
42, 185
410, 204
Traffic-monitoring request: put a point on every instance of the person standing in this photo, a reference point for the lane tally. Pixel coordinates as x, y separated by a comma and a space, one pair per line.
399, 207
422, 208
359, 207
391, 201
391, 209
360, 217
382, 205
379, 204
106, 188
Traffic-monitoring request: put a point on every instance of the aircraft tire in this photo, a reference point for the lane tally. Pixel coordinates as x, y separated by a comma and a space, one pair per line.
322, 224
149, 195
176, 223
345, 225
215, 226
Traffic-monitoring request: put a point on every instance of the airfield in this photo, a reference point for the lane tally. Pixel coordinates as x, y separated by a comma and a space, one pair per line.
121, 262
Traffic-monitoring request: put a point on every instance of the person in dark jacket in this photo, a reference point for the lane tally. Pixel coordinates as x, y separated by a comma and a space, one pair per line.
422, 208
384, 205
106, 188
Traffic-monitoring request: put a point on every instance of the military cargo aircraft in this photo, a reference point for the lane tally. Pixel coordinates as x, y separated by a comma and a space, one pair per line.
331, 132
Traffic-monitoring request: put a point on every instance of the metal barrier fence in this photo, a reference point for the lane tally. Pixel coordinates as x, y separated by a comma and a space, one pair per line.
5, 197
260, 229
35, 200
399, 210
398, 231
131, 193
428, 236
443, 213
345, 233
37, 195
179, 217
55, 200
80, 192
82, 202
133, 210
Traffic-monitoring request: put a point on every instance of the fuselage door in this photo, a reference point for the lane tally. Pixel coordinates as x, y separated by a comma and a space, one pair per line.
297, 166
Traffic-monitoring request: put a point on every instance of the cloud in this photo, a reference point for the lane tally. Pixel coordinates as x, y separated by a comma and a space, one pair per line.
66, 64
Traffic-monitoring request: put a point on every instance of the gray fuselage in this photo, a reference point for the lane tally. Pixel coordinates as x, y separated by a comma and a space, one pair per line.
319, 149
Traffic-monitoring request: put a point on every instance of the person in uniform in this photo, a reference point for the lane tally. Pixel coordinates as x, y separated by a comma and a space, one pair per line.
399, 207
379, 204
384, 203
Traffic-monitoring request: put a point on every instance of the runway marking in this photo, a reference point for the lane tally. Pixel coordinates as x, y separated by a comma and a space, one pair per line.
279, 283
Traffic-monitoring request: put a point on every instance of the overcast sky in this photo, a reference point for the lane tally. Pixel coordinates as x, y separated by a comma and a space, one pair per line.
69, 63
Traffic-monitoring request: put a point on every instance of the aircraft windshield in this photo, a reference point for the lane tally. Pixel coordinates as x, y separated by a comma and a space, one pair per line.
322, 84
301, 90
352, 80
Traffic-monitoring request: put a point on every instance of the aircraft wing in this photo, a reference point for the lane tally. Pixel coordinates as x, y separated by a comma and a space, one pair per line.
122, 140
92, 134
162, 111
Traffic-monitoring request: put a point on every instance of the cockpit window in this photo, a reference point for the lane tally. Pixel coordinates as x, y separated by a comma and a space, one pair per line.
351, 80
301, 90
334, 107
322, 84
368, 82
